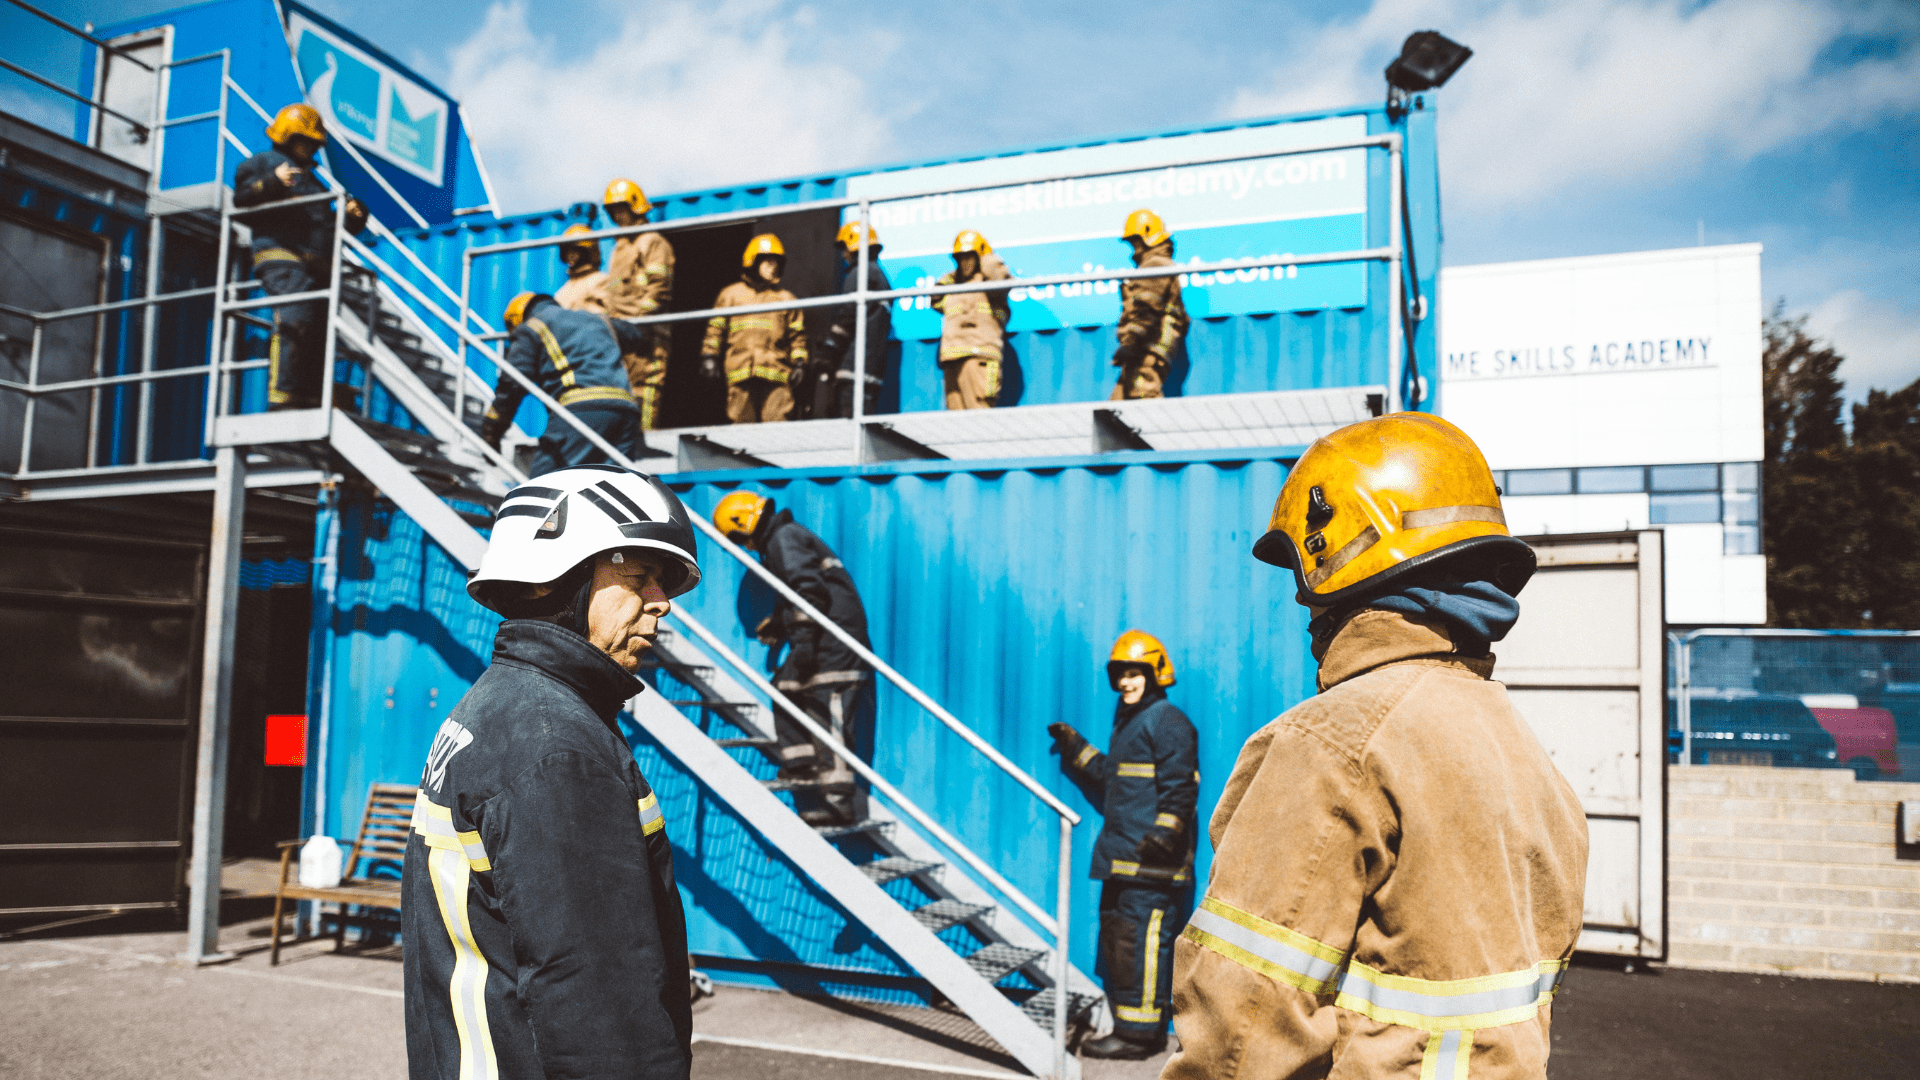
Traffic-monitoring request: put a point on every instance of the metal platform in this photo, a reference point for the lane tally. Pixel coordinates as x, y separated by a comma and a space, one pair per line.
1218, 422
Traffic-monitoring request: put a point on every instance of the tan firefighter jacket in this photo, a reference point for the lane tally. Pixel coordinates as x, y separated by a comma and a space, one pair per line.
584, 292
1152, 316
639, 276
1397, 879
974, 324
769, 345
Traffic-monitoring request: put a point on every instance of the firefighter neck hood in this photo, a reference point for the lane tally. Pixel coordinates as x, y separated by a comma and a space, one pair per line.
1474, 614
1164, 249
604, 685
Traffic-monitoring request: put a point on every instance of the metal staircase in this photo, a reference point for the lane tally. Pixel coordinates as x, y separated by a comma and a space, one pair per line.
943, 924
400, 408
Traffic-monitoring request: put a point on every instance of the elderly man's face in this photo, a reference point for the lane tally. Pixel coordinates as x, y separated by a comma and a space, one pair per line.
627, 604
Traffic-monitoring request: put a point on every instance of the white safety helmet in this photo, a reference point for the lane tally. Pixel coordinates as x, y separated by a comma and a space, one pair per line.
550, 525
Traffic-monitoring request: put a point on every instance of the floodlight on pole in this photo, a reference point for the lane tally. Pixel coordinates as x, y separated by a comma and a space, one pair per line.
1427, 60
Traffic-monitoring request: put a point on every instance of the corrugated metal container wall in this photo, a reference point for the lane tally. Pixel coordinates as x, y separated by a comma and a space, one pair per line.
1223, 354
999, 592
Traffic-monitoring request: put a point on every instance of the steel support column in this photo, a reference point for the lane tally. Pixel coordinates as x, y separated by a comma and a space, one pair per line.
216, 706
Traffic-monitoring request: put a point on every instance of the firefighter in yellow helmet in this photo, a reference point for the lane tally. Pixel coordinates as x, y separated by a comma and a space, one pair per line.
759, 355
586, 287
1398, 868
818, 672
293, 250
973, 326
1146, 785
640, 283
1152, 317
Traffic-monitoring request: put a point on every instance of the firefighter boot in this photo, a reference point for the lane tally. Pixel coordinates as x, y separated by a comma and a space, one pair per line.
1118, 1047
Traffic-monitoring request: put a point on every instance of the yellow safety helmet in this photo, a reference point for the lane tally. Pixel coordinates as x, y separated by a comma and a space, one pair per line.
628, 192
849, 238
1377, 500
518, 307
968, 240
1137, 648
296, 119
592, 247
764, 244
1146, 225
738, 514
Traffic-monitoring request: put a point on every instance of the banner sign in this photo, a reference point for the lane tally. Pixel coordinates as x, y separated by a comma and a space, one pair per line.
361, 98
1581, 358
1266, 205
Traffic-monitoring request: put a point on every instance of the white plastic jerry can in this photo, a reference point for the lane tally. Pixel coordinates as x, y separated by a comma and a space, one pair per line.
320, 862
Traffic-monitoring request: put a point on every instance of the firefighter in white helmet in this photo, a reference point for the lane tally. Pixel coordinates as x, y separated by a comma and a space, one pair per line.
544, 933
1146, 784
1398, 868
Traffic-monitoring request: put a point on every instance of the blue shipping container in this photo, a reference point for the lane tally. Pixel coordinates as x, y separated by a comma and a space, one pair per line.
998, 591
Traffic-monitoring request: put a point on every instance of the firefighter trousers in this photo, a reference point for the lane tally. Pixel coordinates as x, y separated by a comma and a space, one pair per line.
845, 710
647, 374
299, 347
1138, 924
562, 446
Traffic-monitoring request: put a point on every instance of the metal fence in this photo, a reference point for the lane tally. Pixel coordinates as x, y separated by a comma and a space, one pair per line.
1797, 698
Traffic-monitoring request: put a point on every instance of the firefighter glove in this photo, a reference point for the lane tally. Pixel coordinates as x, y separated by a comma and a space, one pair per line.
1127, 355
1161, 847
803, 654
768, 632
711, 368
356, 216
492, 429
1067, 742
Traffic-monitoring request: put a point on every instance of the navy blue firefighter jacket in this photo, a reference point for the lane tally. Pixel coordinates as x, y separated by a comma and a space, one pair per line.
1148, 777
809, 567
544, 934
303, 231
572, 355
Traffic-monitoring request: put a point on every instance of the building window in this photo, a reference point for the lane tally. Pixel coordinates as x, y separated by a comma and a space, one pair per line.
1740, 506
1540, 482
1684, 509
1612, 481
1740, 476
1685, 478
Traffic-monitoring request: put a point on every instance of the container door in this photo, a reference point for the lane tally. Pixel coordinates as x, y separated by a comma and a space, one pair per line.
128, 88
1586, 667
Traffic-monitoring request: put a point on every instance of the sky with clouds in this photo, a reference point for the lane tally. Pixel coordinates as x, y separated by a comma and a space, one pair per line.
1577, 128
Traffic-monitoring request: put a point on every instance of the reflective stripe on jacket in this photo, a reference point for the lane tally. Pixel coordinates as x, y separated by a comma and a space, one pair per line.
769, 345
974, 324
545, 935
792, 553
572, 355
1397, 880
1148, 777
1152, 315
639, 276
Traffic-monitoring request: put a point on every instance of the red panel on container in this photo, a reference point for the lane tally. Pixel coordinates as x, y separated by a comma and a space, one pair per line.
286, 740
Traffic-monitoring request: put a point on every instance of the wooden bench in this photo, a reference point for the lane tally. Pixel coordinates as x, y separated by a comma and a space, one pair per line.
382, 842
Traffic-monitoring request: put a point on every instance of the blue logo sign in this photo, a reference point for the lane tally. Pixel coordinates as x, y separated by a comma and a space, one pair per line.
360, 98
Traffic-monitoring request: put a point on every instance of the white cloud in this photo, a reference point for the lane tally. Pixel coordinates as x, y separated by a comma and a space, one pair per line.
676, 97
1880, 340
1614, 92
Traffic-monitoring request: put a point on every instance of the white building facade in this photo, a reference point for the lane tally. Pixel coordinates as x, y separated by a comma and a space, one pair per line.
1620, 392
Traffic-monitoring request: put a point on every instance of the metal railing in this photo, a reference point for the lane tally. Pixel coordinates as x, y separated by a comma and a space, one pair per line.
1392, 254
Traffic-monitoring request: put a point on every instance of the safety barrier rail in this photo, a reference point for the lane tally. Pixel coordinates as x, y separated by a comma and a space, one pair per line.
1400, 315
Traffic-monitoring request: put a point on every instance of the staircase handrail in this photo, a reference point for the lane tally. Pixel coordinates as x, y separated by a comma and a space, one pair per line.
895, 795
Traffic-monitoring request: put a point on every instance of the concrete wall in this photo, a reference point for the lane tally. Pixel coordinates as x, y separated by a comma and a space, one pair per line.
1792, 871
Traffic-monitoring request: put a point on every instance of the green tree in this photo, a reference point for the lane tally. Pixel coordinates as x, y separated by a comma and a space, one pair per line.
1842, 509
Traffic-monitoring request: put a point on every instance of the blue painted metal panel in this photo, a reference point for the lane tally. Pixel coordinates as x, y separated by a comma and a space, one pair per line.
262, 66
1006, 619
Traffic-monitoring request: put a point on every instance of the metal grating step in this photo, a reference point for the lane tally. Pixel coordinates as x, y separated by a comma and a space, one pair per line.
998, 960
896, 866
798, 785
941, 914
1039, 1007
707, 703
835, 832
757, 744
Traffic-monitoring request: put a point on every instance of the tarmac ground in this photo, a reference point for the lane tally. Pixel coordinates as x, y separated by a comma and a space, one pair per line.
108, 1006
